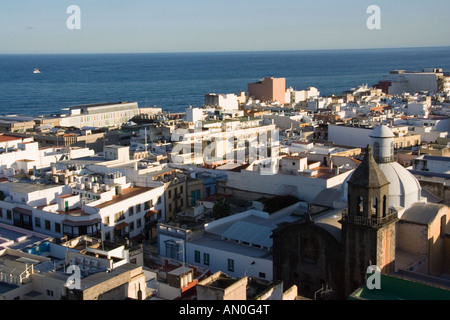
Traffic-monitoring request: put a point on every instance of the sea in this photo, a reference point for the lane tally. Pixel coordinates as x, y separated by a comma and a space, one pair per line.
175, 81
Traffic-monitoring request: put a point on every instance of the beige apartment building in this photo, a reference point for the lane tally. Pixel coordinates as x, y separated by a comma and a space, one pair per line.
268, 89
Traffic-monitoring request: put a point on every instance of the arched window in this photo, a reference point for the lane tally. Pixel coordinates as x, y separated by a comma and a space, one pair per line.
376, 150
360, 207
375, 206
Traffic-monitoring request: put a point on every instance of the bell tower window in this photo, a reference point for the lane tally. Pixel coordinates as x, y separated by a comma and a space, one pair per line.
375, 206
360, 208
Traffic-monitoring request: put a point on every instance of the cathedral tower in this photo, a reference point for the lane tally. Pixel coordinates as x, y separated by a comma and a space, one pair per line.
368, 226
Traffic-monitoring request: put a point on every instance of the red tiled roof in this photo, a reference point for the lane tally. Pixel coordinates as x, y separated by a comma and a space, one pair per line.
126, 194
5, 138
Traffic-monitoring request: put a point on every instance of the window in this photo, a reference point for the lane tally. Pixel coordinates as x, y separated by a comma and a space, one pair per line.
375, 206
170, 194
262, 275
130, 211
106, 221
1, 213
360, 208
206, 259
309, 250
193, 200
171, 249
376, 150
47, 225
9, 214
138, 208
119, 216
49, 293
197, 256
443, 225
138, 223
231, 265
57, 227
148, 204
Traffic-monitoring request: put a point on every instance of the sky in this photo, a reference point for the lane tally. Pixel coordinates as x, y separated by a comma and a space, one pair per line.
141, 26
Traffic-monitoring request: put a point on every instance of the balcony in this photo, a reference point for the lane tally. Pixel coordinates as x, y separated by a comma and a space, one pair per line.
374, 222
387, 159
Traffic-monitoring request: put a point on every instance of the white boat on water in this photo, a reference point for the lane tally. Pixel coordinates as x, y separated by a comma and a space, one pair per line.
36, 71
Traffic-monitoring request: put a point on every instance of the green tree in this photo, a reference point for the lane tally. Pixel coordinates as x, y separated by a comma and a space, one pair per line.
221, 208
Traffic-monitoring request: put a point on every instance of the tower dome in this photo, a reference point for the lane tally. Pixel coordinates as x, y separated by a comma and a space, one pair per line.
382, 139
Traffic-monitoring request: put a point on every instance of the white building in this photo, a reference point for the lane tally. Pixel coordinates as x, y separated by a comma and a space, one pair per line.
99, 115
414, 81
194, 114
7, 141
295, 97
418, 108
428, 134
436, 123
26, 156
285, 121
85, 197
114, 208
226, 102
221, 141
256, 181
316, 104
293, 164
239, 245
53, 272
349, 135
432, 164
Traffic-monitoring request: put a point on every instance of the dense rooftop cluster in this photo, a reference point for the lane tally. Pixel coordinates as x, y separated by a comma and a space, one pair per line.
251, 197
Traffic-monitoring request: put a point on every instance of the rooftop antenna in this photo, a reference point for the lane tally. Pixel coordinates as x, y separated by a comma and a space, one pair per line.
103, 244
145, 137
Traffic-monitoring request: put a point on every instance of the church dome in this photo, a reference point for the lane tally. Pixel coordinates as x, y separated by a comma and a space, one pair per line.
404, 188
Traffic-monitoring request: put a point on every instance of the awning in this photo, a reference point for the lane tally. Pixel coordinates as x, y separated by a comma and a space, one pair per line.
120, 226
139, 238
22, 210
151, 213
81, 223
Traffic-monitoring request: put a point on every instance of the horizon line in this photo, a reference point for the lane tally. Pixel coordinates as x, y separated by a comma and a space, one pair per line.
229, 51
